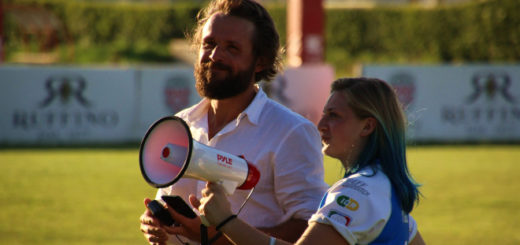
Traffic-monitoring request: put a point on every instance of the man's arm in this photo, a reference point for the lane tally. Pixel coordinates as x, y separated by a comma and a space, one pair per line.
288, 231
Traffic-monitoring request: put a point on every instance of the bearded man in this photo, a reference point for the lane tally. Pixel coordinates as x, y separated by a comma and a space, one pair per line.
238, 46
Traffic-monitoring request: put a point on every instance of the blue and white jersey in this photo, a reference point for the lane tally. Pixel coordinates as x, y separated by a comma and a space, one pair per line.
364, 209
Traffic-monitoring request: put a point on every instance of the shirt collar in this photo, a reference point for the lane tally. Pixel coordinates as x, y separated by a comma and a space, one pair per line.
253, 111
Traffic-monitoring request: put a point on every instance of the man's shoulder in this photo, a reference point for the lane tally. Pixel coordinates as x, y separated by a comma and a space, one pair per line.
274, 111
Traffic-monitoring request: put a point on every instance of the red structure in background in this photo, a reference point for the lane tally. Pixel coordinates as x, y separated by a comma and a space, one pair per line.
304, 84
2, 53
305, 41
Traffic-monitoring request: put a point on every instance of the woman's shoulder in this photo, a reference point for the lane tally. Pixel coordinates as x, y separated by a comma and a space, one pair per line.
358, 206
367, 181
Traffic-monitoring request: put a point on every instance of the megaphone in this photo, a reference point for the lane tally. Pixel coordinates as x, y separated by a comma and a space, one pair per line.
169, 153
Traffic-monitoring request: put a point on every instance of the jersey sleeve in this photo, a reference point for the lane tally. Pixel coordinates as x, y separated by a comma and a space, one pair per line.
357, 208
412, 228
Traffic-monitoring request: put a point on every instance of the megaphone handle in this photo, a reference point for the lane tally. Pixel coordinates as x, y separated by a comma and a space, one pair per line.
204, 235
204, 220
229, 186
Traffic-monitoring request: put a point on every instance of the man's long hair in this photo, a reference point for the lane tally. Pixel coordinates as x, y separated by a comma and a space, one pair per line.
266, 41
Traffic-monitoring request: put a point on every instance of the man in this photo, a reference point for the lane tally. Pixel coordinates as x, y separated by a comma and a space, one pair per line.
238, 46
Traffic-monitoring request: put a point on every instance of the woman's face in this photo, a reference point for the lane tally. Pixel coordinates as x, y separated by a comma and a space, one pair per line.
341, 130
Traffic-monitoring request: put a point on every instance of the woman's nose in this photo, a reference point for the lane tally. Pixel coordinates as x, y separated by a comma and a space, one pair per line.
321, 124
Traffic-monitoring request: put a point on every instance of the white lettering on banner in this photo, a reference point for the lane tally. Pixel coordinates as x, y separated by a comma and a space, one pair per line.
457, 103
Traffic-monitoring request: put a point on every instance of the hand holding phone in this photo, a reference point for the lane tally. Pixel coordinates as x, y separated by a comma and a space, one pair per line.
176, 202
179, 205
160, 213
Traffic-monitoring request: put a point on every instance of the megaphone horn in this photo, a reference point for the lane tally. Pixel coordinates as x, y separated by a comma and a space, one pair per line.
169, 153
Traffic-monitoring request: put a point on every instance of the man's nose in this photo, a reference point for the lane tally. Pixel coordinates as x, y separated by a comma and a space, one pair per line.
216, 54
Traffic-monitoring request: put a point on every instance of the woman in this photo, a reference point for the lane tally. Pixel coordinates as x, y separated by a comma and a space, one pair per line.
363, 126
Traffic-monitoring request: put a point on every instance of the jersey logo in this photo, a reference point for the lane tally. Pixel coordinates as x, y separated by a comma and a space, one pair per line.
339, 217
357, 185
348, 203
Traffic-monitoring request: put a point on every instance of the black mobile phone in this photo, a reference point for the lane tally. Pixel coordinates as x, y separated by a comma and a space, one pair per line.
160, 212
179, 205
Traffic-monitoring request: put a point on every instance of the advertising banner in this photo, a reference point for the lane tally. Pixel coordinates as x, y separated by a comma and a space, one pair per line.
468, 103
43, 105
65, 105
164, 92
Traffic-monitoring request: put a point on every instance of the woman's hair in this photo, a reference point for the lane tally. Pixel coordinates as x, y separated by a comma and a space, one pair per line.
266, 41
370, 97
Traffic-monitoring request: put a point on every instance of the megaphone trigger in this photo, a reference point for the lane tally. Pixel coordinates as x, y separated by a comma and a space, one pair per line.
204, 220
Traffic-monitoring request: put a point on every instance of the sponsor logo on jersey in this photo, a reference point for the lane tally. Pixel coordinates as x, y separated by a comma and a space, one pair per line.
339, 217
347, 202
356, 185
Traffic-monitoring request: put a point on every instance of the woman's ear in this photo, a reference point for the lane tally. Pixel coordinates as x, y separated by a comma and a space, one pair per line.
370, 126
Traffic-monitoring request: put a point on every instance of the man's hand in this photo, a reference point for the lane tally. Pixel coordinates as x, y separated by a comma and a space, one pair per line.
151, 228
184, 226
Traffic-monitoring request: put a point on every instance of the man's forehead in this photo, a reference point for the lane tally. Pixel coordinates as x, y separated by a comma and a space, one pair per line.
232, 26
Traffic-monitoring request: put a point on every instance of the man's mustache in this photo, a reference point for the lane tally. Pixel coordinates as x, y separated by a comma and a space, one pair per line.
216, 65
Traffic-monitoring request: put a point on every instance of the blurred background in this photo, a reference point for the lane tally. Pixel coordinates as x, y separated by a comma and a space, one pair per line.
82, 80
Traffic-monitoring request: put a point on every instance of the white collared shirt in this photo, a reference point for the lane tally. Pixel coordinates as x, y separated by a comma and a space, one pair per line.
284, 146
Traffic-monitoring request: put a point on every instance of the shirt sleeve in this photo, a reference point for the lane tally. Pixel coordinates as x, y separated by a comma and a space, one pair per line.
357, 213
298, 172
412, 228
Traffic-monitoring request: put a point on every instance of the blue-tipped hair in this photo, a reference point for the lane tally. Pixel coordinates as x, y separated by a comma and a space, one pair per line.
370, 97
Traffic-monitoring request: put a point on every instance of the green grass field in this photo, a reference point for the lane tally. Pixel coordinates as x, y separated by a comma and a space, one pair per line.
57, 196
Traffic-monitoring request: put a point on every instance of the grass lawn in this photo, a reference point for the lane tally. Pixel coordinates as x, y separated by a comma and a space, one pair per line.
82, 196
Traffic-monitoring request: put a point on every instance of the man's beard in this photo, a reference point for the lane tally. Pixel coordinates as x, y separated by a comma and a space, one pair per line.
233, 84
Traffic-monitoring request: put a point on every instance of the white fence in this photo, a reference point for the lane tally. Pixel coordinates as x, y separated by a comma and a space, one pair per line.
70, 105
457, 103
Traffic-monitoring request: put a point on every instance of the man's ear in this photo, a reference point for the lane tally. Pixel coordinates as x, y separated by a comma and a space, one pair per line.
260, 64
370, 126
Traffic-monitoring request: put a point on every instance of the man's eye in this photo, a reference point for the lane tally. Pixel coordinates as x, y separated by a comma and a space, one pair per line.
233, 48
208, 45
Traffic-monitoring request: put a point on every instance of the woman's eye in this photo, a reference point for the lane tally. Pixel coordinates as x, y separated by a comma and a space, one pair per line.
330, 114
